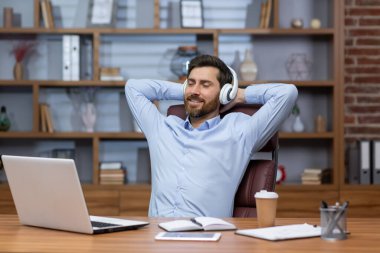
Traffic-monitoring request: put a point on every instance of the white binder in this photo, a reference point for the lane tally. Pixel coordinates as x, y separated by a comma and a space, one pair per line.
66, 57
365, 162
75, 57
376, 162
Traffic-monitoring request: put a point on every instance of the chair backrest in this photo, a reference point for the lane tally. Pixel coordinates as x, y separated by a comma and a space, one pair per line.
259, 175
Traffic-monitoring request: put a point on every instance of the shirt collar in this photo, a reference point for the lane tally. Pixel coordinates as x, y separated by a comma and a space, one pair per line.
208, 124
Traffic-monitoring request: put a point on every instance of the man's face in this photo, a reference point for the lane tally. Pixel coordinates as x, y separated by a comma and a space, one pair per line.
202, 92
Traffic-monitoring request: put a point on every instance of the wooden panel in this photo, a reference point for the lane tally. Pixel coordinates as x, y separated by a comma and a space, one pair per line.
135, 201
102, 202
363, 203
303, 203
6, 202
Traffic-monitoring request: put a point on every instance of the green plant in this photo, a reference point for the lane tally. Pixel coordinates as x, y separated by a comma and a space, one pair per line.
296, 110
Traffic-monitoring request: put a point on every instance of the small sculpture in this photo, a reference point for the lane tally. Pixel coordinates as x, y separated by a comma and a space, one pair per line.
297, 23
315, 23
298, 67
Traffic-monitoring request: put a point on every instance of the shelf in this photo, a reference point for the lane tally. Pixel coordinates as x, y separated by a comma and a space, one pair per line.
280, 31
326, 135
89, 31
302, 187
135, 135
72, 135
358, 187
312, 83
60, 83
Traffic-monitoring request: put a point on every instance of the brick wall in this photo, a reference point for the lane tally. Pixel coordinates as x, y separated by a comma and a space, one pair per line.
362, 69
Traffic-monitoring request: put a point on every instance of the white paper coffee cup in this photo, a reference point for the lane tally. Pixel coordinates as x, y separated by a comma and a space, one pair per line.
266, 206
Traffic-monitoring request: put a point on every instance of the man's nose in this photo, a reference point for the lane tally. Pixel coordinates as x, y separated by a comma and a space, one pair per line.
195, 89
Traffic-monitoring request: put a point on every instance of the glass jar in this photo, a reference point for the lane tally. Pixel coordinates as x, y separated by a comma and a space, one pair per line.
181, 59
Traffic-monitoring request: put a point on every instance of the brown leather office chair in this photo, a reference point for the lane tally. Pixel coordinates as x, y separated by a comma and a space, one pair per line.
259, 175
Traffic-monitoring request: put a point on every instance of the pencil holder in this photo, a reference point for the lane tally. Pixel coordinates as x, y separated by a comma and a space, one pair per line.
333, 223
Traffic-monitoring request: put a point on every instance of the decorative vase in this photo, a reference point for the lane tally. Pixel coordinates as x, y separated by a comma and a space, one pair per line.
88, 114
5, 123
236, 63
181, 59
298, 125
248, 68
18, 71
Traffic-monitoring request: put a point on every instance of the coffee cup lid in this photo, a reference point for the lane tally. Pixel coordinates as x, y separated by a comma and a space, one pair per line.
266, 195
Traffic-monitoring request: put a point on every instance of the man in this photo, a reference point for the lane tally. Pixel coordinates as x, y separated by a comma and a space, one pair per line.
197, 163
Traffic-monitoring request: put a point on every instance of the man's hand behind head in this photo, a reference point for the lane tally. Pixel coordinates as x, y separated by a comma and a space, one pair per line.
239, 99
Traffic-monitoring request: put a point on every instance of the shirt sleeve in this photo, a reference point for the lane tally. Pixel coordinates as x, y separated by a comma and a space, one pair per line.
278, 101
141, 93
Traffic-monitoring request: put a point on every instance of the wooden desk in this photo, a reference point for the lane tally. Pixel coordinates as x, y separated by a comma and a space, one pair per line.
365, 237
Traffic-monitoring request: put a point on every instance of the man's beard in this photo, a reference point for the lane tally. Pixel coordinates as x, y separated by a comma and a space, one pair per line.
204, 110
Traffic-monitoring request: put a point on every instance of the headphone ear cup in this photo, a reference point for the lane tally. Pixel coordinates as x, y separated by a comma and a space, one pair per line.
184, 86
223, 96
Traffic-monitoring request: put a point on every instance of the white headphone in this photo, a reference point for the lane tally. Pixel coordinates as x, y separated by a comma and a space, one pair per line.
228, 91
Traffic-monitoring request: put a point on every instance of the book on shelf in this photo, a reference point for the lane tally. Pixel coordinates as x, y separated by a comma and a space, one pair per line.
197, 223
47, 13
265, 13
112, 172
110, 74
114, 177
46, 119
111, 165
50, 13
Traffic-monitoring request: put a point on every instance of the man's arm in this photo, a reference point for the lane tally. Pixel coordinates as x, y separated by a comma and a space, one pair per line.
278, 101
141, 93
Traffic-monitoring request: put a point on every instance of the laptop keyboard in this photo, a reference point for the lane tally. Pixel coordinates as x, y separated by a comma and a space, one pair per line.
99, 224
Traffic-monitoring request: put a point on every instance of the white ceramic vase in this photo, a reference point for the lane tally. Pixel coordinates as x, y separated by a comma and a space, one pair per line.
248, 68
88, 114
298, 125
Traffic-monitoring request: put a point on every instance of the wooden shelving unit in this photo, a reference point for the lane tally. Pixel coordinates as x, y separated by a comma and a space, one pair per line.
132, 199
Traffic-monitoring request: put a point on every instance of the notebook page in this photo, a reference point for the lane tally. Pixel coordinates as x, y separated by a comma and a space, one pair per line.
283, 232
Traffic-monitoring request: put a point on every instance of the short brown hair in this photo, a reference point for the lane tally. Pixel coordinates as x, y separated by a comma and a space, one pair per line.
224, 76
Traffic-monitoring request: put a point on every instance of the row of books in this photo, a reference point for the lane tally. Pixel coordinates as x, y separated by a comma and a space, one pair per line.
363, 162
316, 176
47, 13
265, 14
259, 14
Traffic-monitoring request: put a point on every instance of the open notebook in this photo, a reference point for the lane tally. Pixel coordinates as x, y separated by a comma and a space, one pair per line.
282, 232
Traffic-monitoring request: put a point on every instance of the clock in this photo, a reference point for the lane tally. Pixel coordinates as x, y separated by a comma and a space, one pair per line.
281, 174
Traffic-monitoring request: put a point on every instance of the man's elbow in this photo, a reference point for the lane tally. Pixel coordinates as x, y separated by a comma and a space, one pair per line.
131, 84
292, 92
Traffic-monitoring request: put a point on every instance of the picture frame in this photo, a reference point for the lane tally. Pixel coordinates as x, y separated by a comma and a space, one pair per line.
191, 13
102, 13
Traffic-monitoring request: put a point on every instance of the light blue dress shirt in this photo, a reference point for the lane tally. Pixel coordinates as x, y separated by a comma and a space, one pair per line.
196, 171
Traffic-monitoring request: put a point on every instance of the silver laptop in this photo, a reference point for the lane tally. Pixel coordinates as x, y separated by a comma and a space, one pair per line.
47, 193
